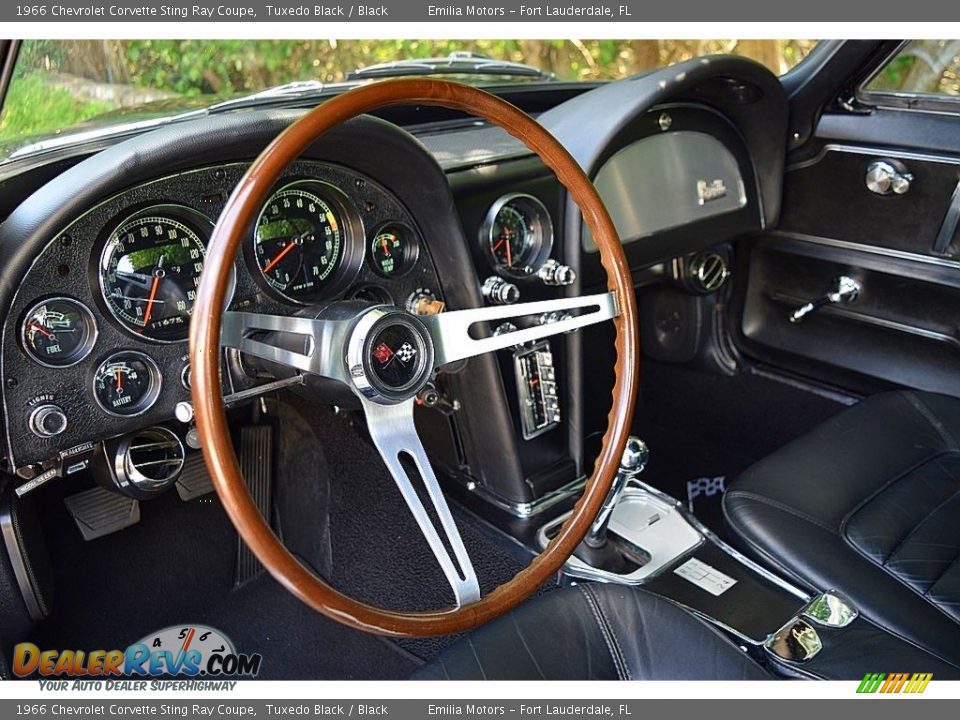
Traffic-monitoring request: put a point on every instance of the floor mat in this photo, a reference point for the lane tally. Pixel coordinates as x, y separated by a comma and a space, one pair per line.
705, 429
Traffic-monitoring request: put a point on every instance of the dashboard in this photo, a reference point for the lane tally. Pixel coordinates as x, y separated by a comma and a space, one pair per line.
104, 258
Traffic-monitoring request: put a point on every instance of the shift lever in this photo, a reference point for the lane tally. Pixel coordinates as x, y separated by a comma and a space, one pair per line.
634, 460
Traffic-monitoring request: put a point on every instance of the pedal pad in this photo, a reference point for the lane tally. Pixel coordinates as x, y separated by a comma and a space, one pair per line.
98, 512
194, 479
256, 466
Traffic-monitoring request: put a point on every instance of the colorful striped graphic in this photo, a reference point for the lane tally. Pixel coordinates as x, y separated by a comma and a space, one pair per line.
895, 683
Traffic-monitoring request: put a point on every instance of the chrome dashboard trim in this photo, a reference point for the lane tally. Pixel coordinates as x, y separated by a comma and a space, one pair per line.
872, 151
526, 509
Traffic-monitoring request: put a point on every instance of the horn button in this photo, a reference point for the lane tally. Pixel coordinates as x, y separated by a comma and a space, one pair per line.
389, 355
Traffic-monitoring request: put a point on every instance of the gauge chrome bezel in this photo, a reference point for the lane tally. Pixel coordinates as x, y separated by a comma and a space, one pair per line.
411, 253
152, 395
82, 352
352, 243
169, 211
544, 240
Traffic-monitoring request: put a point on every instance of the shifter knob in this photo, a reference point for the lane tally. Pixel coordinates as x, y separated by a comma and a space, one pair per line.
635, 456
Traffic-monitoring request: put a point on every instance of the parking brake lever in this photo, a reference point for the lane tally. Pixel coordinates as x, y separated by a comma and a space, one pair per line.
845, 290
634, 460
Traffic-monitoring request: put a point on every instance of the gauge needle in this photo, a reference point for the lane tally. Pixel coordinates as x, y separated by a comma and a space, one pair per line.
273, 263
40, 329
386, 248
119, 380
150, 300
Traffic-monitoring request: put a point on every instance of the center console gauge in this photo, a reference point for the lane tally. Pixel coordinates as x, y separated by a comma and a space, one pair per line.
517, 235
127, 383
305, 239
58, 332
150, 270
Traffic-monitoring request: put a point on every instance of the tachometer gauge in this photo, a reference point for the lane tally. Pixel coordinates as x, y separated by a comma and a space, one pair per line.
393, 250
150, 269
517, 235
58, 332
301, 240
126, 383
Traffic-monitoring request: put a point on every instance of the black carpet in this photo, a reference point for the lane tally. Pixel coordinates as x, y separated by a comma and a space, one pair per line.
705, 429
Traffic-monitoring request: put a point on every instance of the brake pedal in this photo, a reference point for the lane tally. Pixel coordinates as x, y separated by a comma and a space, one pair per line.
256, 466
98, 512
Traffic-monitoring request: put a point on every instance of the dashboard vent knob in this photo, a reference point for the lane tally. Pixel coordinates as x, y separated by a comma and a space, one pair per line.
148, 462
707, 272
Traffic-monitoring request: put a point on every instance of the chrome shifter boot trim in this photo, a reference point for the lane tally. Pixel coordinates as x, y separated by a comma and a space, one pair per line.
645, 519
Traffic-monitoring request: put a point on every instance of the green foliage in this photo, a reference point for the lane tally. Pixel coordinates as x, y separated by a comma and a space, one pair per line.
130, 72
32, 106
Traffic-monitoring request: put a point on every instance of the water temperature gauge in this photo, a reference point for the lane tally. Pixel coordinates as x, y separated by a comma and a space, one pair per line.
394, 250
58, 332
127, 383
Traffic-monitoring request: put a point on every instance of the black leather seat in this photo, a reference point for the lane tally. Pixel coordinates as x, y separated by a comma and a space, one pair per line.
868, 504
594, 632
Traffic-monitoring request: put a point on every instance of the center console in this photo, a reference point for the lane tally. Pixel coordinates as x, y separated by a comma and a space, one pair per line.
651, 540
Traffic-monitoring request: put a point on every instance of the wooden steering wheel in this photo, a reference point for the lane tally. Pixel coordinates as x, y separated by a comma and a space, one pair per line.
338, 342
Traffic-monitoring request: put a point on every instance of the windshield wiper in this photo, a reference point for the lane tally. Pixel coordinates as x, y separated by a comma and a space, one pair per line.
456, 63
295, 89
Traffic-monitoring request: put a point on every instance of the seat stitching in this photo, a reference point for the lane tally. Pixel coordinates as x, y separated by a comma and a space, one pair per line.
781, 506
942, 430
613, 635
526, 647
603, 631
922, 522
886, 486
942, 575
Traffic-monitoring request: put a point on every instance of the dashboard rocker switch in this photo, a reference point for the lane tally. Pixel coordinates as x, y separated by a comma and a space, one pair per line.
498, 291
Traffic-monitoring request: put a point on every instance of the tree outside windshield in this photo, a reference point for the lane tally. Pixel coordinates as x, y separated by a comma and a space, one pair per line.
59, 84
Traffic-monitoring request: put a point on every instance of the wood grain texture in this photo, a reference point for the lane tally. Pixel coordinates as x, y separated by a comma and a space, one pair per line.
240, 213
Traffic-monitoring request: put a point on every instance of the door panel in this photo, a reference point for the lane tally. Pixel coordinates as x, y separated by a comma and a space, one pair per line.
903, 250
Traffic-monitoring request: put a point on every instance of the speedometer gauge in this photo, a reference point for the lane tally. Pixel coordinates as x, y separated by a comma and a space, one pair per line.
517, 235
150, 269
302, 238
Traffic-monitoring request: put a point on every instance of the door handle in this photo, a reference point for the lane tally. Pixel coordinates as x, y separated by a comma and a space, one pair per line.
845, 290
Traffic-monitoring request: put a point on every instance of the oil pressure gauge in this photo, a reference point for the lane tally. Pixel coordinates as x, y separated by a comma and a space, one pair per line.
127, 383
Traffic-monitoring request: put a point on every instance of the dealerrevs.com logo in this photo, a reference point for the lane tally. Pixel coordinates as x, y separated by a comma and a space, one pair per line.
191, 651
892, 683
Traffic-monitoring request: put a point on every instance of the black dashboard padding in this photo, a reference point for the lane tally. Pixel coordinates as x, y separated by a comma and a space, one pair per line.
595, 632
867, 504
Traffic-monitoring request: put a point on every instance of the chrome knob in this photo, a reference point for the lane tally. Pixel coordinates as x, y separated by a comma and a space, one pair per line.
500, 292
48, 421
554, 273
635, 456
886, 178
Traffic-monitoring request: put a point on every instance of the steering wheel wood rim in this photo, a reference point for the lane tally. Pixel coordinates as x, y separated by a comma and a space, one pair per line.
205, 352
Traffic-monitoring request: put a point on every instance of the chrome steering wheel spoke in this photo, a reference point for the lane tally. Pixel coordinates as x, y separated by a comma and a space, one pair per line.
452, 339
307, 344
395, 436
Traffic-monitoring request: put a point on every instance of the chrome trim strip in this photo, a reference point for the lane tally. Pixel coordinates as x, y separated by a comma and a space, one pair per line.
868, 249
879, 152
526, 509
19, 565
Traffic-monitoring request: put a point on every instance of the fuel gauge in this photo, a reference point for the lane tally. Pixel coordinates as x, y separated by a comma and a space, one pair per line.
58, 332
394, 250
127, 383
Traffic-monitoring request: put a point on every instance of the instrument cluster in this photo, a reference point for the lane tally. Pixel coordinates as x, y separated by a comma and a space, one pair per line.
104, 314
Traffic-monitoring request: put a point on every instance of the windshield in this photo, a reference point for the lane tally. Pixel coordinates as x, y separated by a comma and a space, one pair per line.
64, 86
